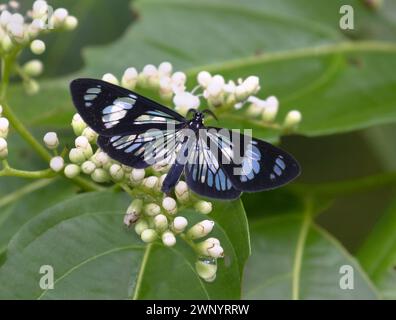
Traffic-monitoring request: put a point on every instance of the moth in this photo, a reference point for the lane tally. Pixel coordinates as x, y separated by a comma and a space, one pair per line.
216, 162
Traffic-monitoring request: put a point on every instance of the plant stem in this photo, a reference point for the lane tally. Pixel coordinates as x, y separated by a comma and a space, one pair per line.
40, 174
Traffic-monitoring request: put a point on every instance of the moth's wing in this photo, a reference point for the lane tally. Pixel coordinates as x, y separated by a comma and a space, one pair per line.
205, 175
252, 164
143, 149
112, 110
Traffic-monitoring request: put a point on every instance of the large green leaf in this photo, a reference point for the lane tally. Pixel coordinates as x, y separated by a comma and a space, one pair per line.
293, 258
94, 256
300, 54
378, 254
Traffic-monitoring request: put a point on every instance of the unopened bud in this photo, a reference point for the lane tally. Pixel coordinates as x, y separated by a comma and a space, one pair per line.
168, 239
72, 171
179, 224
33, 68
140, 226
100, 175
4, 126
293, 118
201, 229
152, 209
109, 77
88, 167
181, 191
37, 47
116, 172
204, 207
3, 148
161, 222
76, 155
78, 124
51, 140
169, 204
136, 176
149, 235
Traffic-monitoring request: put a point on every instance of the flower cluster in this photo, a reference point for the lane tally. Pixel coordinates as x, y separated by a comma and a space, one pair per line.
18, 31
212, 91
153, 215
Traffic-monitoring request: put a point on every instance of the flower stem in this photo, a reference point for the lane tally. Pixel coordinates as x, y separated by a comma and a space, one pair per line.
40, 174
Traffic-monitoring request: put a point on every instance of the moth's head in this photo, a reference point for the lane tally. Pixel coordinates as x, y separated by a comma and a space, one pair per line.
198, 116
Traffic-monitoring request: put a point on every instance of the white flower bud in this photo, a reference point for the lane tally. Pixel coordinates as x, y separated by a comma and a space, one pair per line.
3, 148
152, 209
81, 142
179, 224
51, 140
116, 172
251, 85
184, 101
150, 182
181, 191
201, 229
161, 222
71, 23
5, 18
149, 235
59, 16
140, 226
165, 68
135, 207
57, 164
6, 43
269, 113
37, 47
178, 82
1, 109
211, 247
204, 207
90, 134
40, 8
109, 77
293, 118
78, 124
129, 78
204, 78
72, 170
31, 86
101, 158
169, 204
88, 167
16, 30
4, 126
14, 4
33, 67
149, 76
136, 176
100, 175
76, 155
206, 269
168, 239
166, 88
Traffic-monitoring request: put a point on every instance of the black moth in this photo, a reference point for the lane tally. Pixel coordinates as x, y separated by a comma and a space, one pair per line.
217, 163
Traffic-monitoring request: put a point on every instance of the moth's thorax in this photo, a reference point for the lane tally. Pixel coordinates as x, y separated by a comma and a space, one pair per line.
197, 121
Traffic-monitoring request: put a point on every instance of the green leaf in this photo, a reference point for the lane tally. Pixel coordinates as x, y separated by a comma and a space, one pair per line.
95, 257
293, 258
24, 206
300, 55
378, 253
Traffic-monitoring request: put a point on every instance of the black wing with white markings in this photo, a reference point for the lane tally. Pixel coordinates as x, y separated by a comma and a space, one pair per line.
252, 164
112, 110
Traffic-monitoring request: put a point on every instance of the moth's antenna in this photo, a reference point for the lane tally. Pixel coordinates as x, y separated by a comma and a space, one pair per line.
211, 113
191, 110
